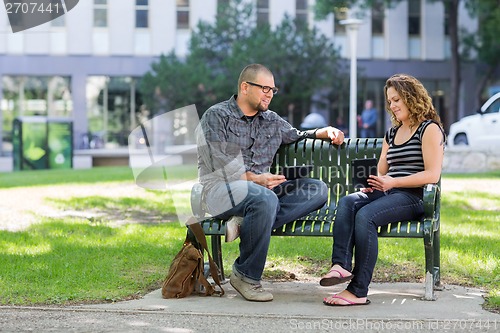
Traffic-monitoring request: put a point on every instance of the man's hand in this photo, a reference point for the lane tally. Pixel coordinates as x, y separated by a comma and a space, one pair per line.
267, 179
332, 133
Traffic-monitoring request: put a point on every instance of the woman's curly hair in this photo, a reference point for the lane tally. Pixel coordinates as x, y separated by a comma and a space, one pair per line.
415, 97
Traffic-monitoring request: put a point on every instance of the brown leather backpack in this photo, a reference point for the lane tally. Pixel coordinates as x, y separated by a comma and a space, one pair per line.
186, 272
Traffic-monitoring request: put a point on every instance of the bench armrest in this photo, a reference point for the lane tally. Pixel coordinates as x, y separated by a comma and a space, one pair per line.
197, 201
432, 203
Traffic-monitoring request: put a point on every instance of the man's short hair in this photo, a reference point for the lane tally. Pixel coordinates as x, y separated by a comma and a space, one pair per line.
250, 72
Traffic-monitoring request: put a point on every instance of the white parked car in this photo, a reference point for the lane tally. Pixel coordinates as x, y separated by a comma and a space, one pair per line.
482, 130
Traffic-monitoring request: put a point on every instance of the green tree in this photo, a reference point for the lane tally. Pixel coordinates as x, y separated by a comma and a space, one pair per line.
304, 62
168, 85
484, 42
214, 46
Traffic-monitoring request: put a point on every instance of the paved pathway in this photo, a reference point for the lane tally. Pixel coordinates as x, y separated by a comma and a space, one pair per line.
297, 307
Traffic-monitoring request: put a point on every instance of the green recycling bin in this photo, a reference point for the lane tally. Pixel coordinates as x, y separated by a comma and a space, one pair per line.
42, 143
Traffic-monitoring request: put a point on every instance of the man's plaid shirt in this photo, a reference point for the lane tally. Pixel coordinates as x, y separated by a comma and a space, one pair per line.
237, 144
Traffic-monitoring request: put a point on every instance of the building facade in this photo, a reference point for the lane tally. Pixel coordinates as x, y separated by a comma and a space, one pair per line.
85, 65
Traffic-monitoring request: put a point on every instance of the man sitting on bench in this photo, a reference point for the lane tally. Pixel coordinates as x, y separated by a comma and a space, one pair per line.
237, 141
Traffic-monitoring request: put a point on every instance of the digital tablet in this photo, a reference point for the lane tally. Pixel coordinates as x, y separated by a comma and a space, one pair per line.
299, 171
361, 170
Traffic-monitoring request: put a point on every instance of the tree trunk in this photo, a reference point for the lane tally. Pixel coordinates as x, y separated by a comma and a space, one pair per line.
451, 114
481, 86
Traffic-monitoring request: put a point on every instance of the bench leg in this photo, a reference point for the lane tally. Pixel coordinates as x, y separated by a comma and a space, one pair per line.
437, 261
217, 254
429, 265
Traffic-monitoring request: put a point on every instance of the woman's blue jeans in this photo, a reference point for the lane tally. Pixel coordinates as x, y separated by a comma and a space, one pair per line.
263, 210
355, 230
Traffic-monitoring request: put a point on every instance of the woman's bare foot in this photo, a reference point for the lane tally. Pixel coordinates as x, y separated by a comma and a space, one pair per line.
345, 298
336, 275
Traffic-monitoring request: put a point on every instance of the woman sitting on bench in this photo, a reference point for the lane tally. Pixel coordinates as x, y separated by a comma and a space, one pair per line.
412, 156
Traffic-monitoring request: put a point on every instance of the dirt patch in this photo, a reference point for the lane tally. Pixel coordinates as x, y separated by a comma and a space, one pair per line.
21, 207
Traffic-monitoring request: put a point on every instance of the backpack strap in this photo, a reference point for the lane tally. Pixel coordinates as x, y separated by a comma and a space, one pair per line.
197, 230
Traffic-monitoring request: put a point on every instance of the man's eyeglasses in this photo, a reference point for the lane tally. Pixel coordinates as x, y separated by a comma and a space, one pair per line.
265, 89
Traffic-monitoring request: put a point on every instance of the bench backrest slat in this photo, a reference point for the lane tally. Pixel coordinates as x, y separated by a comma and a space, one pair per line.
331, 163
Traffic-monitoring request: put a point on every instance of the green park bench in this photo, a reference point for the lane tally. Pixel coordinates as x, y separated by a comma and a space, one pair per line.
331, 165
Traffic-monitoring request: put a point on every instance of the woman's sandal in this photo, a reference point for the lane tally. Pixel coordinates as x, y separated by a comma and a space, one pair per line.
348, 301
330, 280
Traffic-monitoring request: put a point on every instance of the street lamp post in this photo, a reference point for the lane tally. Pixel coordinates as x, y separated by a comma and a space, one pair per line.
352, 26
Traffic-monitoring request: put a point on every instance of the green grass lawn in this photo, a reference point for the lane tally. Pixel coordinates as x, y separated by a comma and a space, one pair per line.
75, 260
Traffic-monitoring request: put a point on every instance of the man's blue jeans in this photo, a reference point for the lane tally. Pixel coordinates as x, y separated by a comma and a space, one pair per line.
358, 217
263, 210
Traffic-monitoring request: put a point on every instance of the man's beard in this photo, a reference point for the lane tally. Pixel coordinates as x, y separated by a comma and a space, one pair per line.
261, 108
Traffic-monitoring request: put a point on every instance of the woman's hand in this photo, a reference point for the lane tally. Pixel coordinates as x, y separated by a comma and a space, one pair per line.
381, 183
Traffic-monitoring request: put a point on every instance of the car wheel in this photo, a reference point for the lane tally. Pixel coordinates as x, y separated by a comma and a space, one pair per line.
461, 140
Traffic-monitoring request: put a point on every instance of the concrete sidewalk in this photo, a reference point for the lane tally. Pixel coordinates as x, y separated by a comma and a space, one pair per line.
297, 306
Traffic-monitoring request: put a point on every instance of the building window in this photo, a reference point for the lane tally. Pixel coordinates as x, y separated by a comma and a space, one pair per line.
141, 14
100, 13
414, 23
447, 42
16, 22
301, 13
378, 17
113, 107
377, 22
47, 96
262, 12
446, 20
414, 17
182, 14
